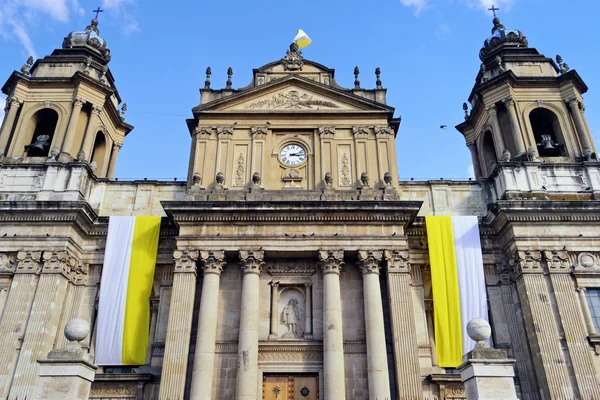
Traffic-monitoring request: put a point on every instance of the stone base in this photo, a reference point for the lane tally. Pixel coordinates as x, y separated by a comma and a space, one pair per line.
489, 379
65, 380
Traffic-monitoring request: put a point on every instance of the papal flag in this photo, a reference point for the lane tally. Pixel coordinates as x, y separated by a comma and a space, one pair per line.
302, 39
127, 276
458, 284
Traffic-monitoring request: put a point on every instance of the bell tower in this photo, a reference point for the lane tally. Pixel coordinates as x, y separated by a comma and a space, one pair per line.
64, 107
525, 107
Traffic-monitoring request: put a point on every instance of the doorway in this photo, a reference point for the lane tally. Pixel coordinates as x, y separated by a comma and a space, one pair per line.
290, 387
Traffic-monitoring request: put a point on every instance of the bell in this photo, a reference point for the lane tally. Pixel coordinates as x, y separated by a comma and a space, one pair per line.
548, 145
40, 147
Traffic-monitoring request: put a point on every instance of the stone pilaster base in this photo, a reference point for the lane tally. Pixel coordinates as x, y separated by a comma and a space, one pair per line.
65, 379
489, 379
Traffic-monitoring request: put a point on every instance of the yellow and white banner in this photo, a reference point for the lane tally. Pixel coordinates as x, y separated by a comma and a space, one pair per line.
125, 288
302, 39
458, 284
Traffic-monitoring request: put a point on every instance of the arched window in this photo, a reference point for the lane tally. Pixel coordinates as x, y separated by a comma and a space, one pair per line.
99, 151
489, 152
43, 123
547, 133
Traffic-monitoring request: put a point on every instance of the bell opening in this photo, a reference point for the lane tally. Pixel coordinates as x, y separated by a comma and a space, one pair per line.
45, 122
547, 133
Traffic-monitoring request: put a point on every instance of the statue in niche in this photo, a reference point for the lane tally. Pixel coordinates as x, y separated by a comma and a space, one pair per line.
291, 319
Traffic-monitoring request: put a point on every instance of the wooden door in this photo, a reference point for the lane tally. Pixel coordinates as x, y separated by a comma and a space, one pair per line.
290, 387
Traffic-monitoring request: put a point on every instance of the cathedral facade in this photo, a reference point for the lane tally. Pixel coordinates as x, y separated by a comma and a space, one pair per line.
293, 263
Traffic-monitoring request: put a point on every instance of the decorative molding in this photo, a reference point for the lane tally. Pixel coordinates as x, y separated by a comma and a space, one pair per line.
6, 265
508, 102
526, 262
293, 60
382, 132
29, 262
96, 109
587, 261
360, 132
327, 131
289, 218
224, 130
185, 261
290, 267
204, 131
252, 261
557, 261
213, 261
331, 261
240, 171
61, 262
259, 130
291, 100
368, 261
78, 102
345, 173
397, 261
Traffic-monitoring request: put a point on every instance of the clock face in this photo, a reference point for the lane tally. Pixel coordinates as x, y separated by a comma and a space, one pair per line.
292, 155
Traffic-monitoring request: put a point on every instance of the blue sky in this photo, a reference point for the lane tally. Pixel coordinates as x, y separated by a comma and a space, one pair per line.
427, 51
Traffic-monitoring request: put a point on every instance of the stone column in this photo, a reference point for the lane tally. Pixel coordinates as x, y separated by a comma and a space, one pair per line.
113, 160
474, 158
66, 145
331, 262
515, 129
273, 331
404, 335
582, 133
44, 320
90, 133
9, 121
251, 262
377, 368
308, 330
204, 358
589, 322
496, 131
179, 326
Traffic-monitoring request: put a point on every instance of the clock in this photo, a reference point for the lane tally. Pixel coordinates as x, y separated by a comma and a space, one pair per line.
292, 155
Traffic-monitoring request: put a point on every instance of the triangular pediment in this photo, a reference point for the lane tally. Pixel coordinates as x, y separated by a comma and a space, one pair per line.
293, 94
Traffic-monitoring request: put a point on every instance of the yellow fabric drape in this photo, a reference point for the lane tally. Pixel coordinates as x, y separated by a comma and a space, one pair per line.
141, 276
446, 298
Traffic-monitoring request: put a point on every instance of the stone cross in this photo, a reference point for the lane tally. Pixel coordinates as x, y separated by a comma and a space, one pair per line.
494, 9
98, 11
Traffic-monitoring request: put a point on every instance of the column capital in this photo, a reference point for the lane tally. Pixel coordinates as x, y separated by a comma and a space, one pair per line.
96, 109
557, 261
224, 130
213, 261
259, 131
382, 132
14, 101
117, 146
508, 101
185, 261
274, 284
78, 102
397, 261
573, 101
61, 262
471, 145
526, 262
368, 261
204, 131
6, 265
252, 261
331, 261
326, 131
29, 262
491, 109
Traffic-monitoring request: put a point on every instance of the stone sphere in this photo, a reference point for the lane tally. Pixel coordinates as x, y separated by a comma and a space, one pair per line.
77, 330
479, 330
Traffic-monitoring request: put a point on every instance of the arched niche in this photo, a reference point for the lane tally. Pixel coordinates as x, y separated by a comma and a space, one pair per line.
99, 150
40, 132
547, 132
291, 313
487, 153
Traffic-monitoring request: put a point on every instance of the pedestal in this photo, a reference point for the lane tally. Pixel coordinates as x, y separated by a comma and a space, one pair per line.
65, 379
489, 379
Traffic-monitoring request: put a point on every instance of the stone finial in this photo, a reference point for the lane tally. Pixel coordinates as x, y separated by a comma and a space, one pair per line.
256, 178
466, 110
76, 330
123, 111
26, 68
229, 74
499, 64
207, 81
81, 156
479, 330
562, 66
356, 81
483, 72
220, 178
387, 178
364, 178
505, 156
378, 76
196, 178
328, 178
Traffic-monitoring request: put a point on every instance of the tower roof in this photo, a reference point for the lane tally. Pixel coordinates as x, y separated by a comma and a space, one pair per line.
90, 38
502, 37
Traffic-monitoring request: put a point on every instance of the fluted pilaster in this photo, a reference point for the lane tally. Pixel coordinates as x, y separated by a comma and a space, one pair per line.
179, 326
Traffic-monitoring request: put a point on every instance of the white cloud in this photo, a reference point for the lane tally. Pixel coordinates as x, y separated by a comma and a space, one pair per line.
418, 5
121, 9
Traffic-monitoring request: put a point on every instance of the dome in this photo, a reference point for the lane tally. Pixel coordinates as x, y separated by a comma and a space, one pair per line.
88, 38
502, 36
